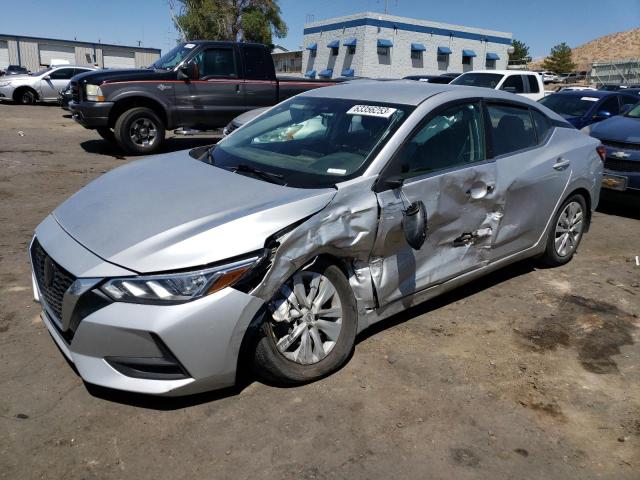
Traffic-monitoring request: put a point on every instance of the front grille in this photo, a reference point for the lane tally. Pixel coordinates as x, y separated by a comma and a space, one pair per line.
53, 280
621, 165
621, 145
75, 91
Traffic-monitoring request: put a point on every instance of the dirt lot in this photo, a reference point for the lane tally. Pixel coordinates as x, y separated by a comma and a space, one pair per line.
528, 373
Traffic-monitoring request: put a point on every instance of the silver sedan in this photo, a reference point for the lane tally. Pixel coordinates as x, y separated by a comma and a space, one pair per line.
42, 86
322, 216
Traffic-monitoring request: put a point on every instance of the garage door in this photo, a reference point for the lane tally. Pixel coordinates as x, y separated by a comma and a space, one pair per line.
4, 55
56, 52
118, 59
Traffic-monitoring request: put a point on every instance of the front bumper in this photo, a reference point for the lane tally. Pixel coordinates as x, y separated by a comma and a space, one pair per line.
91, 114
6, 93
120, 345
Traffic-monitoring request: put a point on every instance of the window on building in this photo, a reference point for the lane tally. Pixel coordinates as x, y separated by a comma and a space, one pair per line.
416, 54
383, 51
491, 65
351, 49
443, 62
334, 51
511, 129
313, 53
467, 60
454, 137
513, 84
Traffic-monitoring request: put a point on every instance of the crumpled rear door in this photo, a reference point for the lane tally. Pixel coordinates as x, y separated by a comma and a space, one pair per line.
464, 209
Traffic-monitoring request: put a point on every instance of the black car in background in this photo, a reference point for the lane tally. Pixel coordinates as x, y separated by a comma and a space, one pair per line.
15, 70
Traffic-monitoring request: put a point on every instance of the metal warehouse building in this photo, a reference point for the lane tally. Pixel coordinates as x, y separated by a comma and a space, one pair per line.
35, 53
386, 46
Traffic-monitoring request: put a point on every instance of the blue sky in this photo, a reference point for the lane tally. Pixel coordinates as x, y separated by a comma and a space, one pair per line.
540, 23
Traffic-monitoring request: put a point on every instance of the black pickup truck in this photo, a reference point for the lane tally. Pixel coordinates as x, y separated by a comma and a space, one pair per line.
200, 85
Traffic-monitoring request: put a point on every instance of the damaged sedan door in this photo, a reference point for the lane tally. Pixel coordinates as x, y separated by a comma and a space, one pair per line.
443, 164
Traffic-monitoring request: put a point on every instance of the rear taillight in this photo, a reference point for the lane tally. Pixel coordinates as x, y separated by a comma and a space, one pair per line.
602, 152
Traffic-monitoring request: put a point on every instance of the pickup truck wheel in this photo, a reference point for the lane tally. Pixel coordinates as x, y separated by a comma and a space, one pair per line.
107, 134
139, 131
310, 327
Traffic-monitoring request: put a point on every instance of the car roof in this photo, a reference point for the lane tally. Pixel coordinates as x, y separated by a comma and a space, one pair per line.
503, 72
405, 92
586, 93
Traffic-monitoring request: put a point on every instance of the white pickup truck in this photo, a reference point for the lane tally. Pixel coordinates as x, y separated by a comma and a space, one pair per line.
527, 84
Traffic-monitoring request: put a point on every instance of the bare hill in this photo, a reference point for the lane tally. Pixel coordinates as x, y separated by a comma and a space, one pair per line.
616, 46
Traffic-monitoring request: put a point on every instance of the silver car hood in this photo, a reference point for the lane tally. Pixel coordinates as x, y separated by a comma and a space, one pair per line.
172, 212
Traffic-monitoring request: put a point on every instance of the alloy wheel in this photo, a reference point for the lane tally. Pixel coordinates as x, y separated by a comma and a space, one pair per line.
306, 318
569, 229
143, 132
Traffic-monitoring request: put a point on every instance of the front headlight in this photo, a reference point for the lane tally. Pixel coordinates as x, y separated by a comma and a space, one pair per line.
93, 93
178, 287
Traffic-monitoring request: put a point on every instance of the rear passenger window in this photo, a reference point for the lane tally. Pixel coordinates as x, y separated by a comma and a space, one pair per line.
542, 124
454, 137
533, 84
216, 62
255, 63
511, 129
513, 84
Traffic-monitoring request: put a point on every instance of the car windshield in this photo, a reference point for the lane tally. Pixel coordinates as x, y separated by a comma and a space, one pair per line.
570, 105
634, 112
487, 80
173, 57
311, 142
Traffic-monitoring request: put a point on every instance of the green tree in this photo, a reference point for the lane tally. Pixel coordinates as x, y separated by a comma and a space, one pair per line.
520, 51
235, 20
560, 60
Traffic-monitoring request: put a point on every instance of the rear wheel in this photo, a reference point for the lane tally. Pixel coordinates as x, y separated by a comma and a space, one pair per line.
310, 327
26, 96
139, 131
566, 231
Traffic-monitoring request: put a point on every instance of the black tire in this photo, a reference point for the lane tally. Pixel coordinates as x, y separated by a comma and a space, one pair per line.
273, 367
107, 134
25, 96
551, 256
123, 131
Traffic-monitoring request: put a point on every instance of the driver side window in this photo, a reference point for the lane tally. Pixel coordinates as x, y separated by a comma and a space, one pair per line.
453, 138
62, 74
216, 62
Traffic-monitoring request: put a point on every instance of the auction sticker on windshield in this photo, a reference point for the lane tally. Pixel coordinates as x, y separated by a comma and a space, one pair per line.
590, 99
372, 111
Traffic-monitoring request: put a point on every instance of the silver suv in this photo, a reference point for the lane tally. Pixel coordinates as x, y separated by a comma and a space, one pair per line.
42, 86
324, 215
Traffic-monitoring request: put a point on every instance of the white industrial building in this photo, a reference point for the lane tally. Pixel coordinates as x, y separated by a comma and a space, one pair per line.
387, 46
34, 53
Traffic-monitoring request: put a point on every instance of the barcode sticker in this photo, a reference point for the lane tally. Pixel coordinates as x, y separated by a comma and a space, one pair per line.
590, 99
190, 45
372, 111
337, 171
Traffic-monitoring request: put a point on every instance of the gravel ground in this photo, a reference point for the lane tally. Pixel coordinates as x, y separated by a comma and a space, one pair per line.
527, 373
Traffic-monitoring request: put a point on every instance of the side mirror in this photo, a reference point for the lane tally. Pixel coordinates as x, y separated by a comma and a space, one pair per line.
188, 71
414, 224
47, 78
601, 115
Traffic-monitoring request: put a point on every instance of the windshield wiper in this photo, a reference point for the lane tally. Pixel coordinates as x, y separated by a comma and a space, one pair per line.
267, 176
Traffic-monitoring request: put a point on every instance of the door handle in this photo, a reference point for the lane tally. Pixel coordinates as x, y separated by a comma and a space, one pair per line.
237, 88
561, 164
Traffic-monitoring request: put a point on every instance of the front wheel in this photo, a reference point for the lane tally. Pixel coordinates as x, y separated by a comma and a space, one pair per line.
566, 231
26, 97
139, 131
310, 327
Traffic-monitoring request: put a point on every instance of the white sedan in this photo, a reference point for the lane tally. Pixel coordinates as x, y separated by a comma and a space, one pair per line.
42, 86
